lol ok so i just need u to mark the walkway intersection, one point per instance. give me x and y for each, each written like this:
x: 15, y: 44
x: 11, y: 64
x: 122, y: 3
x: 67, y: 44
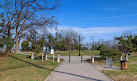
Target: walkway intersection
x: 76, y: 71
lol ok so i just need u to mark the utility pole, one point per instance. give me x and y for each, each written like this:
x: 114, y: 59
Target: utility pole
x: 79, y: 45
x: 93, y: 44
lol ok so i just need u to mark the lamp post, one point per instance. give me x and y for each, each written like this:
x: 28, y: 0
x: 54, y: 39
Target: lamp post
x: 79, y: 46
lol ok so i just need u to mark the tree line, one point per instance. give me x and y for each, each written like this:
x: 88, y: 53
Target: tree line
x: 25, y: 19
x: 126, y: 43
x: 18, y: 16
x: 62, y: 40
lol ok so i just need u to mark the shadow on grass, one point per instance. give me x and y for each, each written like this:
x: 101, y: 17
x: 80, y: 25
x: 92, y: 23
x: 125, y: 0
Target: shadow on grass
x: 32, y: 64
x: 14, y: 67
x: 49, y: 69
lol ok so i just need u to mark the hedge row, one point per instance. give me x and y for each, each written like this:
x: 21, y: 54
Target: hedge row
x: 115, y: 54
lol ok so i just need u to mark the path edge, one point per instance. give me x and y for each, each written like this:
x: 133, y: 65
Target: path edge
x: 53, y: 71
x: 101, y: 72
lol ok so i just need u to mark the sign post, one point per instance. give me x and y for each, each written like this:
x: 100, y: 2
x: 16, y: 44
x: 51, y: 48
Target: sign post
x: 42, y: 57
x: 44, y: 51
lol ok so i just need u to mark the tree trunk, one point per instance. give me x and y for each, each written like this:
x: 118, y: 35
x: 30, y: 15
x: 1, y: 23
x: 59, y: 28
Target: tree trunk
x: 17, y: 47
x: 17, y: 44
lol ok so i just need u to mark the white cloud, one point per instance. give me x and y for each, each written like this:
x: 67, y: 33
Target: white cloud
x: 116, y: 16
x: 100, y: 31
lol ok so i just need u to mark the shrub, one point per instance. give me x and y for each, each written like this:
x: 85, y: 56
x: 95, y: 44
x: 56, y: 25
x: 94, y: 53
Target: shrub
x: 115, y: 54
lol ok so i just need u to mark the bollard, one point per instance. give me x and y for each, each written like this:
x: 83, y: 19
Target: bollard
x: 121, y: 58
x: 32, y: 55
x: 69, y: 57
x: 126, y: 57
x: 93, y: 59
x: 123, y: 64
x: 58, y: 58
x: 46, y: 57
x: 81, y: 57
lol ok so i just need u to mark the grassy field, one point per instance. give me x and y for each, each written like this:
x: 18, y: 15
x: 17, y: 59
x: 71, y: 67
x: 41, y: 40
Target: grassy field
x: 121, y: 75
x: 75, y: 53
x: 21, y: 68
x: 125, y: 75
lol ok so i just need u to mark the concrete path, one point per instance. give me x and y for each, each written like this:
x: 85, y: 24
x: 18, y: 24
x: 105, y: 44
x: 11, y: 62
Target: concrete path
x: 103, y: 67
x: 76, y: 71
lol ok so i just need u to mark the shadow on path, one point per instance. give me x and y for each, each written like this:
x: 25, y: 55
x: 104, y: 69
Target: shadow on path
x: 78, y: 75
x: 50, y: 69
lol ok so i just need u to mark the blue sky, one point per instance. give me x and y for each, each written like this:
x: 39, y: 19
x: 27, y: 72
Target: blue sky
x: 101, y: 19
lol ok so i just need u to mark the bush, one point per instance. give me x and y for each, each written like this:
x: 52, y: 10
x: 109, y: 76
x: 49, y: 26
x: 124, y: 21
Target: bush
x: 115, y: 54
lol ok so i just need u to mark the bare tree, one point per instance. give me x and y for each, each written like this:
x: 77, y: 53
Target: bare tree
x: 26, y: 14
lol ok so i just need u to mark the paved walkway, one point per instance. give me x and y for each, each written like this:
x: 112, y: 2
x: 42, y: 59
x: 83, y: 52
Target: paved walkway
x: 103, y: 67
x: 76, y: 71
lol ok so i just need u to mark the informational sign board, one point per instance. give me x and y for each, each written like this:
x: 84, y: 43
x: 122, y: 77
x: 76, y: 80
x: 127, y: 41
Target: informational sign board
x: 47, y: 49
x: 52, y: 51
x: 44, y: 49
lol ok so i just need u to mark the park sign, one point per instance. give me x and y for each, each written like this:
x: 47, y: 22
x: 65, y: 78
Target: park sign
x: 46, y: 49
x: 52, y: 51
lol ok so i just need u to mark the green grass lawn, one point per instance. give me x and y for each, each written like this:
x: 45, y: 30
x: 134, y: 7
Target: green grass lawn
x: 75, y: 53
x: 20, y: 68
x: 125, y: 75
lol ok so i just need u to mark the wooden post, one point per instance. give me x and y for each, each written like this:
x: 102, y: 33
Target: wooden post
x: 53, y: 58
x: 42, y: 57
